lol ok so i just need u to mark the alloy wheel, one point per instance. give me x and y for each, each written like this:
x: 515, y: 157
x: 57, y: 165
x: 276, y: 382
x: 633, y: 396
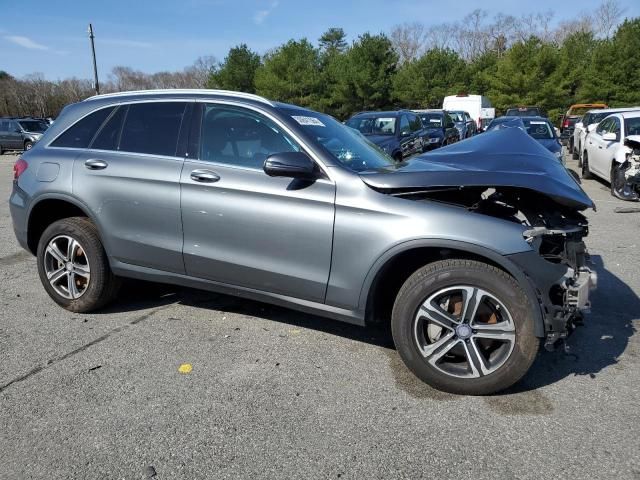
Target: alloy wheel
x: 67, y: 267
x: 464, y: 331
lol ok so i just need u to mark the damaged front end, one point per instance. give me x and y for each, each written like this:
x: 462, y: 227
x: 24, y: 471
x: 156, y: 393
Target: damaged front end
x: 558, y: 266
x: 627, y: 174
x: 505, y: 174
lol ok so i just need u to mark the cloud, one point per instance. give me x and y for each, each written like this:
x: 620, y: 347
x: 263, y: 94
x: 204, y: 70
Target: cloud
x: 25, y: 42
x: 123, y: 43
x: 261, y: 15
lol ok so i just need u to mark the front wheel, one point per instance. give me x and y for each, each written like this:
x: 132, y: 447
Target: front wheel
x: 464, y: 327
x: 73, y: 265
x: 28, y: 145
x: 620, y: 188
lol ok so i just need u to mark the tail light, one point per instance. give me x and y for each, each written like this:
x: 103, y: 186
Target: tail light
x: 565, y: 124
x: 19, y: 167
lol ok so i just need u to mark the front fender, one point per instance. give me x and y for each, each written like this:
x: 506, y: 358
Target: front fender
x: 501, y: 260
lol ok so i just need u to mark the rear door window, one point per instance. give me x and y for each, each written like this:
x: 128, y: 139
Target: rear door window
x: 404, y: 125
x: 82, y: 132
x: 108, y: 136
x: 152, y: 128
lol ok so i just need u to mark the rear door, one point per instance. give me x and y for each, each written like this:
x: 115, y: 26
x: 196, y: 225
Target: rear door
x: 242, y: 227
x: 14, y: 136
x: 417, y: 133
x: 3, y: 134
x: 130, y: 177
x: 407, y: 140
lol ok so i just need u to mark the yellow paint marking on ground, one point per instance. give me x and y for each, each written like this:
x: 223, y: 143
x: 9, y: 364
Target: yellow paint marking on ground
x: 295, y: 331
x: 185, y: 368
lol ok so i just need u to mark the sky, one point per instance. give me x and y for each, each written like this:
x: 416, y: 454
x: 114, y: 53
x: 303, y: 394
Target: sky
x: 50, y: 37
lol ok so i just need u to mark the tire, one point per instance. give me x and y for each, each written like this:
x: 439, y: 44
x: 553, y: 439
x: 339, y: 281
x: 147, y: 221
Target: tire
x: 28, y: 145
x: 570, y: 145
x: 586, y: 173
x: 575, y: 153
x: 505, y: 360
x: 619, y: 187
x: 87, y: 285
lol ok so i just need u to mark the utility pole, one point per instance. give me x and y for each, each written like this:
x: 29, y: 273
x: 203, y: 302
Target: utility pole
x: 95, y: 65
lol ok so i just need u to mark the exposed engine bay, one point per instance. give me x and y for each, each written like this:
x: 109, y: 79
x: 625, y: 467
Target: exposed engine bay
x: 631, y: 166
x: 556, y: 232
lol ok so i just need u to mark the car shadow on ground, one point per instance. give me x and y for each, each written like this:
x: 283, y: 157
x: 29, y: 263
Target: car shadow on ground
x: 591, y: 349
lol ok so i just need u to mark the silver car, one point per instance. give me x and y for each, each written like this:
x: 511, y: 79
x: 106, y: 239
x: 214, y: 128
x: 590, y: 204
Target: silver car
x: 473, y: 253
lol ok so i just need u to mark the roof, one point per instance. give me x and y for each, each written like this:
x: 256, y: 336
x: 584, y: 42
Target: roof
x: 613, y: 110
x: 179, y: 92
x: 634, y: 114
x: 429, y: 110
x: 377, y: 114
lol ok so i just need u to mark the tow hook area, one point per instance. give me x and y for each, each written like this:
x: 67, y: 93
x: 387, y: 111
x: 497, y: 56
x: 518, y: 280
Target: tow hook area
x: 577, y: 295
x: 576, y: 303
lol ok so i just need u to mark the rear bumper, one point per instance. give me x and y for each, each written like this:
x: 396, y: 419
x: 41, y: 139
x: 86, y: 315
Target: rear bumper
x: 18, y: 206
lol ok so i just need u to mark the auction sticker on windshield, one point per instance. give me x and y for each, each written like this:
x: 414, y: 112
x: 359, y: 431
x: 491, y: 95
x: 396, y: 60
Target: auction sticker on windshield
x: 308, y: 121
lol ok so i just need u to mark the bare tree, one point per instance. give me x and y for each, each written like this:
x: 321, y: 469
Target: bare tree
x: 408, y: 40
x: 607, y: 16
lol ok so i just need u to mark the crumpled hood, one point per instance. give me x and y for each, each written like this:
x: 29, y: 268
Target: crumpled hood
x: 500, y: 158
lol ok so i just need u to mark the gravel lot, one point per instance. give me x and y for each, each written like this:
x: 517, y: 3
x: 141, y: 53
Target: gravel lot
x: 279, y: 394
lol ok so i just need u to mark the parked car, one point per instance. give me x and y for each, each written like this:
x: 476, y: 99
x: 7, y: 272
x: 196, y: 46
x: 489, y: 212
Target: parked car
x: 588, y: 121
x: 569, y: 119
x: 464, y: 123
x: 538, y: 128
x: 524, y: 112
x: 477, y: 106
x: 19, y: 133
x: 234, y: 193
x: 440, y: 128
x: 399, y: 133
x: 609, y: 153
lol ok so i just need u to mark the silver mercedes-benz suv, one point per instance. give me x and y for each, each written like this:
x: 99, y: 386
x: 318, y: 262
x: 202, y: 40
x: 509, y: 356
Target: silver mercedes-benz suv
x: 474, y: 253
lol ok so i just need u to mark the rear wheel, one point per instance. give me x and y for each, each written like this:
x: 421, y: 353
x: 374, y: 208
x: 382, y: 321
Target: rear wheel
x: 575, y: 153
x: 464, y: 327
x: 619, y: 186
x: 73, y: 265
x: 586, y: 173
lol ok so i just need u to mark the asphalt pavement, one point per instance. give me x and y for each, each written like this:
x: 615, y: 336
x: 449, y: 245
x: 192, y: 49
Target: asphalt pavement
x: 273, y: 393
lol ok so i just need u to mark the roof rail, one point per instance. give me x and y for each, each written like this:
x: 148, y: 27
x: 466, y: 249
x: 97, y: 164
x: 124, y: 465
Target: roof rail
x: 189, y: 91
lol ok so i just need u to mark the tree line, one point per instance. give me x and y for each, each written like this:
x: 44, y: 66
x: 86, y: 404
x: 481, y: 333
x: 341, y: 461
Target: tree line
x: 512, y: 60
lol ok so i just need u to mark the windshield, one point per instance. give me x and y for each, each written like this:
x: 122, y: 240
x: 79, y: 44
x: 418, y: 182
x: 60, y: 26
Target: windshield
x: 431, y: 120
x: 347, y: 145
x: 522, y: 112
x: 373, y: 125
x: 632, y: 126
x: 539, y: 129
x: 456, y: 116
x: 32, y: 126
x: 597, y: 117
x: 504, y: 122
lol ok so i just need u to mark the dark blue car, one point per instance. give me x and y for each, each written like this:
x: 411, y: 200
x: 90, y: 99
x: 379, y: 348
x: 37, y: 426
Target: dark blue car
x: 399, y: 133
x: 539, y: 128
x: 440, y: 127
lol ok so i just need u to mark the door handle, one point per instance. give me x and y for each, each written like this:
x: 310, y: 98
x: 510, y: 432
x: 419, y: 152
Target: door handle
x: 93, y: 164
x: 204, y: 176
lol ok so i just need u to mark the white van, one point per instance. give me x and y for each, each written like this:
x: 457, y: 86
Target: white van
x: 478, y: 106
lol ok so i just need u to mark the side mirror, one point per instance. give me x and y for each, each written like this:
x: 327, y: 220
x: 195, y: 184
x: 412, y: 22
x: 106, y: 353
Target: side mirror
x: 290, y: 164
x: 18, y: 130
x: 592, y: 127
x: 609, y: 137
x: 405, y: 133
x: 579, y: 125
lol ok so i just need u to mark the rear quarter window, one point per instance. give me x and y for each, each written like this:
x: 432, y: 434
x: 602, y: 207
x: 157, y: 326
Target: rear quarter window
x: 80, y: 134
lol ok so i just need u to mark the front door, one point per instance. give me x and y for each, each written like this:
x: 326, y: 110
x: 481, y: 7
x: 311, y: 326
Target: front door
x: 244, y: 228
